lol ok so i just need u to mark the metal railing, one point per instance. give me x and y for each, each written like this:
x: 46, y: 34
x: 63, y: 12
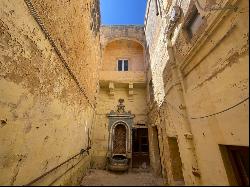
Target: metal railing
x: 53, y: 169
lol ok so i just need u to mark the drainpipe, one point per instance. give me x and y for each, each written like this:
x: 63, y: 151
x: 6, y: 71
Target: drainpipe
x: 178, y: 81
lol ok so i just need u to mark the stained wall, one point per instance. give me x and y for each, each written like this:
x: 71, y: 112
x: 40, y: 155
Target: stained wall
x: 200, y: 85
x: 48, y: 84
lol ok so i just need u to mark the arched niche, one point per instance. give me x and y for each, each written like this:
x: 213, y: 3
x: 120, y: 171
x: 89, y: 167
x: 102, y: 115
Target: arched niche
x: 120, y: 140
x: 123, y: 49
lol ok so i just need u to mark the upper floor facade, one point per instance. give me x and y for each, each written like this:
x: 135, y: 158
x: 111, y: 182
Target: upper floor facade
x: 122, y: 55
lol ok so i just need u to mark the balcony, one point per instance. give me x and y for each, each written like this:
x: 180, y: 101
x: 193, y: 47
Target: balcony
x: 123, y: 77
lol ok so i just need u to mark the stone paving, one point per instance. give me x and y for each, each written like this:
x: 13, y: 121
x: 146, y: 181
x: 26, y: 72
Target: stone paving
x: 132, y: 178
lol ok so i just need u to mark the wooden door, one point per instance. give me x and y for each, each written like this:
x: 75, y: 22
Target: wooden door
x: 140, y: 148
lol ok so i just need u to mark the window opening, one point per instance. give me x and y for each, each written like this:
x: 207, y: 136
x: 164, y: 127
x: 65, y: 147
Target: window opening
x: 122, y: 65
x: 194, y: 23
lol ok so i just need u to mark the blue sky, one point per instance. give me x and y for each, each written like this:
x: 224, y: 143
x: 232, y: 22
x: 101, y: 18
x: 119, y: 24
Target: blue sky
x: 122, y: 12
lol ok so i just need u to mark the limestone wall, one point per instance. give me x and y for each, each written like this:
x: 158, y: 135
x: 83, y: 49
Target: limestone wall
x: 157, y: 52
x: 201, y: 87
x: 106, y: 103
x: 46, y: 108
x: 111, y: 33
x: 123, y: 49
x: 119, y: 42
x: 218, y: 80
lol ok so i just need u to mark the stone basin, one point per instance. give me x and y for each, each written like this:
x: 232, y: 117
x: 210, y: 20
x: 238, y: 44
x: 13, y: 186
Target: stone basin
x: 118, y: 163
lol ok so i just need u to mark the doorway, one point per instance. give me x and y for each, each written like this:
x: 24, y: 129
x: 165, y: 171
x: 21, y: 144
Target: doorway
x: 175, y: 158
x: 140, y: 148
x: 236, y: 161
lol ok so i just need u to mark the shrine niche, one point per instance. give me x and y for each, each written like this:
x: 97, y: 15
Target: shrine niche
x: 119, y: 143
x: 120, y: 135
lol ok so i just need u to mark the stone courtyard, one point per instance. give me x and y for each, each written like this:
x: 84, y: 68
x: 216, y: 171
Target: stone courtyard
x: 161, y: 103
x: 131, y: 178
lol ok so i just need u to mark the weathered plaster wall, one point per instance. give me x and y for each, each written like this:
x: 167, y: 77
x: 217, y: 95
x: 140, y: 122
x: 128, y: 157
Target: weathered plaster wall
x: 220, y: 74
x: 159, y: 114
x: 44, y: 115
x: 201, y: 76
x: 74, y: 41
x: 154, y: 150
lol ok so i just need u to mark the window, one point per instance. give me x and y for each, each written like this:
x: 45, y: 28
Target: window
x: 193, y: 22
x: 122, y: 65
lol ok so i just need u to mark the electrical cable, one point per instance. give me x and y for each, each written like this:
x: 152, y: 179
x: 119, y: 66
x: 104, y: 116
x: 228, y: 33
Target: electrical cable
x: 229, y: 108
x: 209, y: 115
x: 51, y: 41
